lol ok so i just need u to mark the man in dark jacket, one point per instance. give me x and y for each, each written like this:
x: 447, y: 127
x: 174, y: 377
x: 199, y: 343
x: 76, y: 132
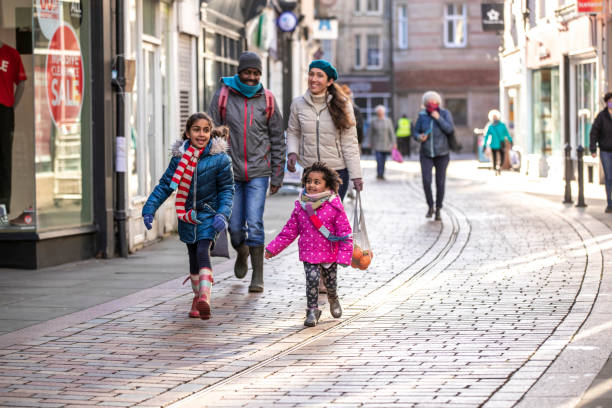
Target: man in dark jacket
x: 257, y: 149
x: 601, y: 134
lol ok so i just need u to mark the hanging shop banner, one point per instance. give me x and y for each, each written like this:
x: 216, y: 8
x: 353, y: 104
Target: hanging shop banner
x: 64, y: 71
x: 492, y: 17
x: 590, y: 6
x: 48, y: 14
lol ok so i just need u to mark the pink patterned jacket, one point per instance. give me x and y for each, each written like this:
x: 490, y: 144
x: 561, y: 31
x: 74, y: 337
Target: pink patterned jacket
x: 314, y: 247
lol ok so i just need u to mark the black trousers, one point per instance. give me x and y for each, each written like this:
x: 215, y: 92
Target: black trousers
x: 427, y: 164
x: 7, y: 126
x: 199, y: 256
x: 497, y: 155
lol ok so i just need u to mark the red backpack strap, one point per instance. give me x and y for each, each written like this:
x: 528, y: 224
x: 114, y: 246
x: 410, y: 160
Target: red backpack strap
x: 223, y: 95
x: 269, y: 104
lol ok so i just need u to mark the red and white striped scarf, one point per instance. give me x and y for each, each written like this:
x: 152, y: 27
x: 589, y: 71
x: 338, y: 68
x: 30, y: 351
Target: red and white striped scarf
x: 181, y: 181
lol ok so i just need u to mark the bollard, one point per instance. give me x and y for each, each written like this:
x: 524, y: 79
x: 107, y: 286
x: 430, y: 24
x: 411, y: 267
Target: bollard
x: 580, y: 151
x: 568, y: 174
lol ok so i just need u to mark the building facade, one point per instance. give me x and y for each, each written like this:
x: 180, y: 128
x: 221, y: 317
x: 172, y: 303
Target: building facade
x: 55, y: 172
x: 440, y: 45
x: 362, y: 52
x: 552, y: 79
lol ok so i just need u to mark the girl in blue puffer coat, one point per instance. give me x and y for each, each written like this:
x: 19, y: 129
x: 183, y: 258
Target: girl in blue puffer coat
x: 201, y: 173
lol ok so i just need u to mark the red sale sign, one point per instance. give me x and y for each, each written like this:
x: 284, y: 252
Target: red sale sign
x: 590, y: 6
x: 64, y: 76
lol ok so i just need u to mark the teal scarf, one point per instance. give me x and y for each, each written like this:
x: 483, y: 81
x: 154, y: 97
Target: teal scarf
x: 247, y: 90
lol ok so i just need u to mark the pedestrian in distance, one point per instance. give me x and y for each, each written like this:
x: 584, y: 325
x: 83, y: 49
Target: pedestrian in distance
x: 324, y: 231
x: 433, y: 128
x: 403, y: 132
x: 496, y: 137
x: 257, y: 149
x: 200, y: 172
x: 322, y: 127
x: 382, y: 138
x: 601, y: 136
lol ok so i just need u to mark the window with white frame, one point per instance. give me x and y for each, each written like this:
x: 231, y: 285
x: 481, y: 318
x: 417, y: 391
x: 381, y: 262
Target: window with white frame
x: 455, y: 26
x: 402, y: 27
x: 357, y: 6
x: 374, y: 51
x: 358, y: 60
x: 374, y: 6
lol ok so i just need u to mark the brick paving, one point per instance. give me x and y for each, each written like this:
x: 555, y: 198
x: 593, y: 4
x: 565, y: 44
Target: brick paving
x: 478, y: 310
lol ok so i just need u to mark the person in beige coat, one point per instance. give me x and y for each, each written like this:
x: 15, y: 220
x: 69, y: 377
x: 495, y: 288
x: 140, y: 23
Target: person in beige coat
x: 322, y: 128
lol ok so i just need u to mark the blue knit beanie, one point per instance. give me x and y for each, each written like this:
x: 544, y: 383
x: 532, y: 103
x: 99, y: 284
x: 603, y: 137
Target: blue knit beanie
x: 325, y: 67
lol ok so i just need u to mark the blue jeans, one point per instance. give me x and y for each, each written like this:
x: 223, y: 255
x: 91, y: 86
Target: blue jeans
x: 381, y: 158
x: 344, y: 175
x: 606, y: 162
x: 427, y: 164
x: 246, y: 222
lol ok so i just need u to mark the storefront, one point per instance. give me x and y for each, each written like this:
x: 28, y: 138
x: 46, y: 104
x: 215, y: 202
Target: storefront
x: 47, y: 210
x: 546, y: 112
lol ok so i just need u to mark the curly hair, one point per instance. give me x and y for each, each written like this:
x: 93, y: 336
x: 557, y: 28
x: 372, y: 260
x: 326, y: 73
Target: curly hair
x: 218, y: 131
x: 331, y: 177
x: 339, y: 108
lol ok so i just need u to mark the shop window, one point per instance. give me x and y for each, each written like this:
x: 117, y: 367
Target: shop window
x: 586, y: 101
x: 455, y: 26
x: 458, y: 108
x: 402, y: 27
x: 62, y: 118
x: 546, y: 114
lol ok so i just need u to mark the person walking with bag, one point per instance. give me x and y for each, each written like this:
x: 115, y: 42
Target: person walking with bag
x: 601, y: 136
x: 320, y: 221
x: 200, y: 172
x: 322, y: 128
x: 496, y: 136
x: 257, y: 149
x: 433, y: 129
x: 382, y: 139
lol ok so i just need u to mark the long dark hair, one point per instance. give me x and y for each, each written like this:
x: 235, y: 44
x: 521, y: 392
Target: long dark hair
x: 218, y: 131
x: 331, y: 177
x: 339, y: 108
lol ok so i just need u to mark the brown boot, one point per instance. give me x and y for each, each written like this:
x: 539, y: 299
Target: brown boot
x: 334, y: 306
x: 322, y: 288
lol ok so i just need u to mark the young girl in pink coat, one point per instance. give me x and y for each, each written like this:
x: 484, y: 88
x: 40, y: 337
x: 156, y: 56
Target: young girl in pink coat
x: 325, y: 236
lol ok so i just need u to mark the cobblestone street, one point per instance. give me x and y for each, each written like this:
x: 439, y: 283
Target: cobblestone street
x: 504, y: 303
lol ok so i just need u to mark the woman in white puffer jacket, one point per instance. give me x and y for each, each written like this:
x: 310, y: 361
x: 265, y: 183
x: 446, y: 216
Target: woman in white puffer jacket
x: 322, y: 127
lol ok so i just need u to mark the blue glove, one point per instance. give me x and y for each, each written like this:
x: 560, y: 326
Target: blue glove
x: 148, y: 220
x: 219, y: 223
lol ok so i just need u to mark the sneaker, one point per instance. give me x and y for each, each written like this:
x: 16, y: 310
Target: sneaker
x: 430, y: 212
x: 26, y: 219
x: 608, y: 210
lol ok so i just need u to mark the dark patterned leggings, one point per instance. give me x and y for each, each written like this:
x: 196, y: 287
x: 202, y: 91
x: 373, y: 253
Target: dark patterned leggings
x: 313, y: 273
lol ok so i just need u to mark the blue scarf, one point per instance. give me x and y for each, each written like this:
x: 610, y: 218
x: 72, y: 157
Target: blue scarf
x: 247, y: 90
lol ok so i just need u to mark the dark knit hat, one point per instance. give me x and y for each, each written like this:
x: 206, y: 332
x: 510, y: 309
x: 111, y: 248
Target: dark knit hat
x: 249, y: 59
x: 326, y: 67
